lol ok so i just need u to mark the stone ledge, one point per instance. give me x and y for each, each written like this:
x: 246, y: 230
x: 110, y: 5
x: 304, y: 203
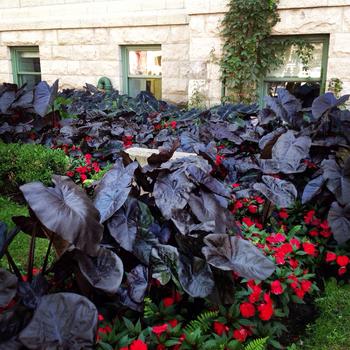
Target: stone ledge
x: 141, y: 154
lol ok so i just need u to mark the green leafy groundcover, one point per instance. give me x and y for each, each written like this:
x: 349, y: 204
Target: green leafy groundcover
x: 203, y: 252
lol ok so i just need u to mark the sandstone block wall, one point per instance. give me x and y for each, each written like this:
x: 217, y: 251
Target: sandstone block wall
x: 80, y: 40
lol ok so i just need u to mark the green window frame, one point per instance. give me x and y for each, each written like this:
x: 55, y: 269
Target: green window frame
x: 20, y: 75
x: 128, y: 78
x: 317, y: 39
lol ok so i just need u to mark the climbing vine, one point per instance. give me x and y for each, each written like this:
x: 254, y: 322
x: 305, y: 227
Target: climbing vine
x: 250, y: 51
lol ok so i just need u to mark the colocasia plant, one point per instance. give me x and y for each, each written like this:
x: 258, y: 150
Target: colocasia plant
x: 234, y: 229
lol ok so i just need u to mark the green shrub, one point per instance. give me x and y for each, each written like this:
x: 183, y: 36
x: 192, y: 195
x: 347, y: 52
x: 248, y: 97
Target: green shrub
x: 22, y: 163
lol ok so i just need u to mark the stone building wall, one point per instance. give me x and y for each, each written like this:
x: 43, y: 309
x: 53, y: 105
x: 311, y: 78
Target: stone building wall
x: 79, y: 40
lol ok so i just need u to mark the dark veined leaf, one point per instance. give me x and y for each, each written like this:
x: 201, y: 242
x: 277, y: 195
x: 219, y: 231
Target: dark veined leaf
x: 195, y: 276
x: 313, y: 188
x: 6, y: 237
x: 123, y: 224
x: 137, y: 281
x: 338, y: 179
x: 62, y: 321
x: 339, y: 221
x: 44, y: 95
x: 31, y: 292
x: 206, y: 207
x: 6, y: 100
x: 325, y: 103
x: 285, y: 105
x: 280, y: 192
x: 25, y: 100
x: 171, y: 192
x: 164, y: 259
x: 232, y: 253
x: 67, y: 211
x: 8, y: 287
x: 114, y: 188
x: 104, y: 272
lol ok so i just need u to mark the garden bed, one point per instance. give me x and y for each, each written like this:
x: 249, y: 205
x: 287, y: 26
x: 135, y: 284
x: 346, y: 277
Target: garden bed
x: 208, y: 251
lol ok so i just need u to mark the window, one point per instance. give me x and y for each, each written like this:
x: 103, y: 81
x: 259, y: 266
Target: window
x: 142, y: 70
x: 306, y: 85
x: 26, y: 65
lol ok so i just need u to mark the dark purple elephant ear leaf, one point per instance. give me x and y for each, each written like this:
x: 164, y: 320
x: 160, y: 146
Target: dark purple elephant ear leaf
x: 8, y: 287
x: 313, y: 188
x: 137, y: 280
x: 104, y: 272
x: 280, y: 192
x: 61, y: 321
x: 114, y: 188
x: 44, y: 96
x: 6, y: 237
x: 325, y: 103
x: 232, y: 253
x: 67, y: 211
x: 195, y: 277
x: 339, y: 221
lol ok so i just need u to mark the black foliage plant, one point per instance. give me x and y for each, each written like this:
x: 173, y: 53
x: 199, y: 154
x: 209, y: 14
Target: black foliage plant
x: 170, y: 220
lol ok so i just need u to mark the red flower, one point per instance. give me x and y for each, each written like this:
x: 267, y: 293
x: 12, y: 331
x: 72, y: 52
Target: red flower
x: 266, y: 309
x: 313, y: 233
x: 309, y: 216
x: 276, y: 287
x: 256, y: 291
x: 88, y: 157
x: 325, y: 233
x: 173, y: 323
x: 306, y: 285
x: 277, y: 238
x: 83, y: 177
x: 218, y: 160
x: 293, y: 263
x: 235, y: 185
x: 124, y: 348
x: 283, y: 214
x: 342, y: 260
x: 286, y: 248
x: 138, y: 345
x: 160, y: 347
x: 342, y: 270
x: 295, y: 241
x: 247, y: 310
x: 100, y: 317
x: 330, y: 256
x: 168, y: 301
x: 252, y: 208
x: 247, y: 221
x: 96, y: 167
x: 70, y: 173
x: 81, y: 169
x: 240, y: 334
x: 299, y: 292
x: 309, y: 249
x: 173, y: 124
x: 259, y: 200
x: 238, y: 204
x: 160, y: 329
x: 219, y: 328
x: 324, y: 225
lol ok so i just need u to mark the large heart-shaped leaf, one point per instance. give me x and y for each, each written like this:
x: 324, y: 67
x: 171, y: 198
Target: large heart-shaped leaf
x: 8, y: 287
x: 230, y: 253
x: 123, y: 224
x: 195, y: 276
x: 137, y: 282
x: 114, y: 188
x: 6, y: 237
x: 44, y: 95
x: 339, y: 221
x: 325, y: 103
x: 171, y: 192
x: 206, y: 207
x: 62, y: 321
x: 280, y: 192
x: 313, y: 188
x: 67, y: 211
x: 104, y: 272
x: 338, y: 179
x: 164, y: 260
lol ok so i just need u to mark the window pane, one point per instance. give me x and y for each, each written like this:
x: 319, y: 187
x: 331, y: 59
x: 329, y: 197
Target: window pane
x: 143, y: 62
x: 305, y: 91
x: 29, y: 61
x: 31, y: 80
x: 293, y: 67
x: 154, y: 86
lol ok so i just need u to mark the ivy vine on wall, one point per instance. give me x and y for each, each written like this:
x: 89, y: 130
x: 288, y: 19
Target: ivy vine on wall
x: 250, y: 51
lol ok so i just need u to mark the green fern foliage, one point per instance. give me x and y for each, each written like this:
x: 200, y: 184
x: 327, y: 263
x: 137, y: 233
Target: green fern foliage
x: 202, y: 322
x: 257, y: 344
